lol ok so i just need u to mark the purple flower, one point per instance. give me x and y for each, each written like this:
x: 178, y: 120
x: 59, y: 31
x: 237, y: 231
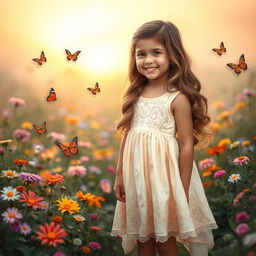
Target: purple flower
x: 94, y: 245
x: 94, y: 216
x: 242, y: 216
x: 21, y: 135
x: 15, y: 226
x: 242, y: 229
x: 33, y: 178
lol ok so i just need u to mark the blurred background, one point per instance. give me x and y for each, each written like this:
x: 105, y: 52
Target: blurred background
x: 102, y: 30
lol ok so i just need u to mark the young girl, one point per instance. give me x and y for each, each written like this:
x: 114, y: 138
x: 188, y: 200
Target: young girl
x: 160, y: 196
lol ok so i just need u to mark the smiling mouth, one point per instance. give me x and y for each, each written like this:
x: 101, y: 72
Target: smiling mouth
x: 151, y: 69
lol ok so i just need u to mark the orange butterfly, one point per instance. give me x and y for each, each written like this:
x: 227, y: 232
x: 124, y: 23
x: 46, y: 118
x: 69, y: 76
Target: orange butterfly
x: 40, y: 128
x: 71, y: 56
x: 41, y: 59
x: 221, y: 50
x: 241, y: 65
x: 94, y: 90
x: 70, y: 149
x: 52, y: 95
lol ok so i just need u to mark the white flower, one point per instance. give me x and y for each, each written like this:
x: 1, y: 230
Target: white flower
x: 79, y: 217
x: 10, y: 174
x: 25, y: 229
x: 10, y: 193
x: 234, y: 177
x: 11, y: 215
x: 77, y: 241
x: 249, y: 239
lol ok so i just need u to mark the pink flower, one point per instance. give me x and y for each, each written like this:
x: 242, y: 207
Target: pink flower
x: 85, y: 144
x: 242, y: 229
x: 94, y: 216
x: 94, y: 245
x: 77, y: 170
x: 206, y: 163
x: 21, y: 135
x: 242, y: 216
x: 241, y: 160
x: 59, y: 253
x: 105, y: 185
x: 219, y: 173
x: 251, y: 253
x: 84, y: 159
x: 57, y: 136
x: 16, y: 102
x: 252, y: 198
x: 249, y: 92
x: 6, y: 113
x: 111, y: 169
x: 236, y: 202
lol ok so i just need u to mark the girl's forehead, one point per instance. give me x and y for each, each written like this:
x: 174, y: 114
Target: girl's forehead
x: 148, y: 44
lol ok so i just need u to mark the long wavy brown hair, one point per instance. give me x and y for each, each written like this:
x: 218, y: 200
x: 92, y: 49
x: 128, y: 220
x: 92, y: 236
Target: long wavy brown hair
x: 180, y: 76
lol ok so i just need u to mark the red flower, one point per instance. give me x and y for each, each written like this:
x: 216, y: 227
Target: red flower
x: 51, y: 234
x: 216, y: 150
x: 57, y: 219
x: 20, y: 162
x: 32, y: 200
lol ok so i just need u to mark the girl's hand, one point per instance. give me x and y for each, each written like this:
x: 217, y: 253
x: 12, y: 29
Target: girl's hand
x: 119, y: 188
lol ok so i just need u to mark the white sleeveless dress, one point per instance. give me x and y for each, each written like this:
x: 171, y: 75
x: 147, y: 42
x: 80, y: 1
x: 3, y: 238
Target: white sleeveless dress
x: 156, y: 204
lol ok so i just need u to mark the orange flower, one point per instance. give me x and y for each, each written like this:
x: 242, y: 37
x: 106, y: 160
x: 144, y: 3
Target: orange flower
x: 57, y: 219
x: 21, y: 188
x: 20, y: 162
x: 86, y: 249
x: 207, y: 184
x: 84, y: 197
x: 31, y: 199
x: 246, y: 190
x: 96, y: 201
x: 95, y: 228
x: 51, y: 234
x: 53, y: 179
x: 215, y: 150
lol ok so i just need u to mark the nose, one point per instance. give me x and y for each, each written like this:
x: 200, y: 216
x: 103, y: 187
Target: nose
x: 148, y: 59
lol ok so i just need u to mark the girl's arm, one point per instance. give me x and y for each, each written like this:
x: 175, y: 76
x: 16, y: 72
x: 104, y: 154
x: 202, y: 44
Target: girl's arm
x: 119, y: 167
x: 184, y: 124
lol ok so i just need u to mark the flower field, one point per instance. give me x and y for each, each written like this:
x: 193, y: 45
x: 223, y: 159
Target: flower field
x: 57, y: 198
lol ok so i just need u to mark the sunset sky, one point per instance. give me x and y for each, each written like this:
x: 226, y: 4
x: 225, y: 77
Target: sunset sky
x: 102, y: 30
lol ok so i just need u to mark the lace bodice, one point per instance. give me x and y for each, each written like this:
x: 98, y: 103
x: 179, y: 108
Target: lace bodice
x: 155, y: 114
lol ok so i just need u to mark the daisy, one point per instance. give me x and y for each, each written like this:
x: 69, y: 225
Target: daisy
x: 10, y: 193
x: 241, y: 160
x: 249, y: 240
x: 11, y: 215
x: 25, y: 229
x: 10, y: 174
x: 79, y: 218
x: 234, y: 177
x: 51, y: 234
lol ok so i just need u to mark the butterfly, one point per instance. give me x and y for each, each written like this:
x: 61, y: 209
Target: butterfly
x: 41, y: 59
x: 40, y: 129
x: 71, y: 56
x: 70, y: 149
x: 94, y: 90
x: 221, y: 50
x: 52, y: 95
x: 237, y: 67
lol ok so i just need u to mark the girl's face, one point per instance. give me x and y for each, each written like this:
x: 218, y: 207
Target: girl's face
x: 152, y: 60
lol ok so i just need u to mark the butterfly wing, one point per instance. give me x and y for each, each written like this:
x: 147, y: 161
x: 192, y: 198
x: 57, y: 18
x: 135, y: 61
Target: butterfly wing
x: 40, y: 129
x: 73, y: 146
x: 52, y: 95
x: 39, y: 62
x: 235, y: 67
x: 217, y: 51
x: 42, y: 57
x: 64, y: 148
x: 222, y: 47
x: 69, y: 55
x: 74, y: 56
x: 242, y: 63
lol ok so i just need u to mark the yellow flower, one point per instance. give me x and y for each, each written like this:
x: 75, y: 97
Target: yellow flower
x: 234, y: 144
x: 224, y: 142
x: 219, y: 104
x: 72, y: 120
x: 27, y: 125
x: 216, y: 126
x: 240, y: 105
x: 224, y: 115
x: 74, y: 162
x: 95, y: 125
x: 245, y: 143
x: 67, y: 205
